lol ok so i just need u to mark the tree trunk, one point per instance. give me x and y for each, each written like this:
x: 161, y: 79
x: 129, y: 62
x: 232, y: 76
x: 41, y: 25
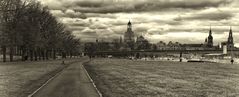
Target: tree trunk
x: 19, y: 51
x: 11, y: 53
x: 35, y: 54
x: 4, y: 52
x: 70, y: 55
x: 39, y: 53
x: 31, y: 54
x: 43, y: 54
x: 24, y: 55
x: 54, y: 54
x: 51, y: 53
x: 63, y: 55
x: 46, y: 54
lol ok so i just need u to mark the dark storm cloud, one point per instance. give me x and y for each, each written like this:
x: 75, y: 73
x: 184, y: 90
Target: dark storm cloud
x: 216, y: 16
x: 89, y: 3
x: 149, y: 5
x: 184, y: 4
x: 109, y: 6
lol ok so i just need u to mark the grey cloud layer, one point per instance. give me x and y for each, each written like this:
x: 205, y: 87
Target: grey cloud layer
x: 156, y: 19
x: 211, y: 15
x: 111, y: 6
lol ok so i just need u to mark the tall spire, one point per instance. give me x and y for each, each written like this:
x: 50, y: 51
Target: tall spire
x: 230, y: 32
x: 129, y: 38
x: 129, y: 34
x: 129, y: 25
x: 210, y: 38
x: 230, y: 38
x: 210, y: 31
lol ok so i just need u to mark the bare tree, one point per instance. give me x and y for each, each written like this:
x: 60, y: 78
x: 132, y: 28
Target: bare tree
x: 34, y: 31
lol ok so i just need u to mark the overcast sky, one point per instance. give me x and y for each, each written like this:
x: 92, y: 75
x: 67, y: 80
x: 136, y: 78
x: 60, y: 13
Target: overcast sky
x: 185, y: 21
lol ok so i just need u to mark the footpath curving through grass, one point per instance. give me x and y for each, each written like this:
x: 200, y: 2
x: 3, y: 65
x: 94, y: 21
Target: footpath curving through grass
x: 127, y: 78
x: 19, y: 79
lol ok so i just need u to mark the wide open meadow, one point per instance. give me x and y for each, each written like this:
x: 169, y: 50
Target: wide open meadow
x: 134, y: 78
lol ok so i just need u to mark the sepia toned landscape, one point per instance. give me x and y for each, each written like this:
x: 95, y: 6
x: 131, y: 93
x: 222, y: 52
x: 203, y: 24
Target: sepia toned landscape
x: 119, y: 48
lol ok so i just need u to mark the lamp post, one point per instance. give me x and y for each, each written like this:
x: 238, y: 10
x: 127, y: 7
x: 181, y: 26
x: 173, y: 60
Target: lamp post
x: 181, y: 55
x: 231, y: 55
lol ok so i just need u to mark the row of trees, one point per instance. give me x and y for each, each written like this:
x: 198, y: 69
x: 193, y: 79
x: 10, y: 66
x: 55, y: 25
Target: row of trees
x: 29, y: 30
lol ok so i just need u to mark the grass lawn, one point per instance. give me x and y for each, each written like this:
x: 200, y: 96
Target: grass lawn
x: 19, y: 79
x: 127, y: 78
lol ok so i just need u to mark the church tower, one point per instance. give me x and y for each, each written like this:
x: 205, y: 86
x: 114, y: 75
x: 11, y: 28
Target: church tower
x: 129, y: 36
x: 230, y: 43
x: 210, y: 39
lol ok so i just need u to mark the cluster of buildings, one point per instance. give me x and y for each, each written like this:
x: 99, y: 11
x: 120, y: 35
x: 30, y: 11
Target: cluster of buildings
x: 132, y: 42
x: 127, y: 43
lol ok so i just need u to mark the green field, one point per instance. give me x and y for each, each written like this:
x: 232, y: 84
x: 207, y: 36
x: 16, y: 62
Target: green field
x: 19, y: 79
x: 127, y: 78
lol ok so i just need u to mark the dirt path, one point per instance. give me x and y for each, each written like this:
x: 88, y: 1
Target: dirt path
x: 72, y: 82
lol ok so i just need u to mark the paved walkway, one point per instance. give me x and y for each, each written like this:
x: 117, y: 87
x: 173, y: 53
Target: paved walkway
x: 72, y: 82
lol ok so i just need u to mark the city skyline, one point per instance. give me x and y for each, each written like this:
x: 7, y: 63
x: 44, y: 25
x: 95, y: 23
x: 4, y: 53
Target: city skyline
x: 158, y: 20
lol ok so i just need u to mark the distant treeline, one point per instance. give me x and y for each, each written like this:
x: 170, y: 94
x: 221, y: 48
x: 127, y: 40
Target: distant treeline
x: 29, y: 30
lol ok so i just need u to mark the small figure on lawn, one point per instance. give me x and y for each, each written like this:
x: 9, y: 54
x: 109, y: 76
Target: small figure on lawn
x: 63, y: 62
x: 232, y: 61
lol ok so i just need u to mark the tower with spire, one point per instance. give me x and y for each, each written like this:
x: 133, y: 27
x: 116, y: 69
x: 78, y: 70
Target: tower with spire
x: 210, y: 39
x: 129, y: 37
x: 230, y: 42
x: 129, y: 34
